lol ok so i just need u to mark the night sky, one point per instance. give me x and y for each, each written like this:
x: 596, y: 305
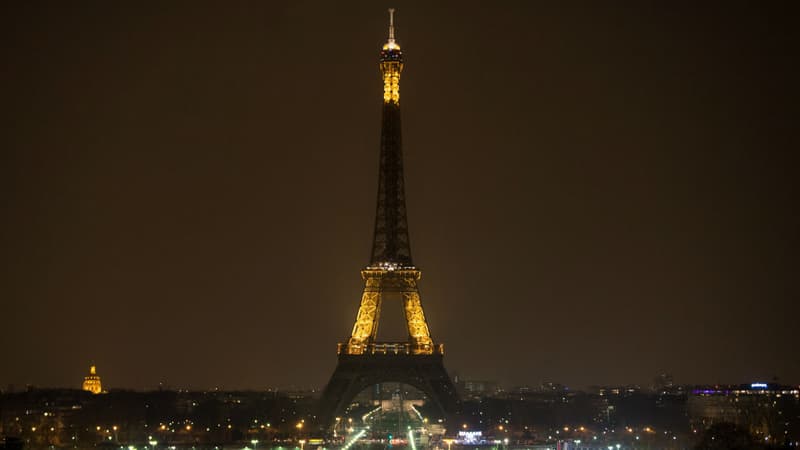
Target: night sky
x: 597, y: 192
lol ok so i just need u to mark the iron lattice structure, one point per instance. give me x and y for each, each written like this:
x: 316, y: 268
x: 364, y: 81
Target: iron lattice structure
x: 362, y: 360
x: 391, y: 244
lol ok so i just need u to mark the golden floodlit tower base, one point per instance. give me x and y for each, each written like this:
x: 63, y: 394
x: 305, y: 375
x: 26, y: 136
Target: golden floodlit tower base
x: 379, y: 281
x: 363, y: 361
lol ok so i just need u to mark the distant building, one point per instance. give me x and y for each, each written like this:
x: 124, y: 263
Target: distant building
x: 91, y: 382
x: 551, y: 386
x: 768, y: 411
x: 476, y: 389
x: 612, y: 391
x: 663, y: 383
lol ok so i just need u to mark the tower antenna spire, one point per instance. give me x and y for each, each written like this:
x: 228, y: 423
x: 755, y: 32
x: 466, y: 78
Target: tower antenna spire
x: 391, y: 25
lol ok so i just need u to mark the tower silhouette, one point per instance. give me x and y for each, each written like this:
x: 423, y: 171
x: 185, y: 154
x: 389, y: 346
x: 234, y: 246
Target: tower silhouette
x: 362, y: 360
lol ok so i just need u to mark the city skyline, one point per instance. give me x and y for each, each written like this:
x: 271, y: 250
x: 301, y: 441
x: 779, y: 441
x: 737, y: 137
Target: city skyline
x: 91, y: 382
x: 595, y: 195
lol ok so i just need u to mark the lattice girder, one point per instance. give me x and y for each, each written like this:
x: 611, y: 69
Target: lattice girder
x: 376, y: 283
x: 417, y: 325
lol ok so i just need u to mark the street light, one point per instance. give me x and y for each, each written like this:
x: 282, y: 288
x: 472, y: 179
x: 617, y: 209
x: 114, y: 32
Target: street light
x: 302, y: 443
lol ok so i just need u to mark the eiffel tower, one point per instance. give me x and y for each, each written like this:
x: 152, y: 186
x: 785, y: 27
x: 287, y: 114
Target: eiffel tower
x: 363, y: 361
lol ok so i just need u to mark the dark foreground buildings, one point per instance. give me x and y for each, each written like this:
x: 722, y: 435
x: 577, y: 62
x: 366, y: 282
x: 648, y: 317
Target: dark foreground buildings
x: 65, y: 418
x: 525, y: 417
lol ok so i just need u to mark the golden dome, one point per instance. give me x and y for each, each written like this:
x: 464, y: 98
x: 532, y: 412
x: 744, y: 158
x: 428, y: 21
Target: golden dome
x: 91, y: 382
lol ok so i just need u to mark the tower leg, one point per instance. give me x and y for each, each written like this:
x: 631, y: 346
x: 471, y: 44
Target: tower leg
x: 366, y: 327
x: 417, y: 325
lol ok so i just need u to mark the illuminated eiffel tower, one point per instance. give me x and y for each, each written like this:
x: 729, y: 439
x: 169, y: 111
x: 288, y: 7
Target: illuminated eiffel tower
x: 363, y: 361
